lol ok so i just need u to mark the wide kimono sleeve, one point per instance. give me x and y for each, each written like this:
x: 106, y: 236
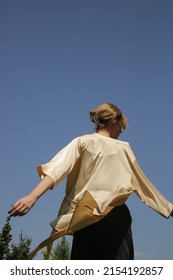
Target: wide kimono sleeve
x: 145, y: 190
x: 62, y: 163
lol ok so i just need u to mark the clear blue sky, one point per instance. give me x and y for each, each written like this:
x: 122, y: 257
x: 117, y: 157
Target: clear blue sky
x: 58, y: 60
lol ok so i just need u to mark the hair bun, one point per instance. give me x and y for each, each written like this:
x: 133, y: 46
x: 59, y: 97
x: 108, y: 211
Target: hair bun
x: 94, y: 118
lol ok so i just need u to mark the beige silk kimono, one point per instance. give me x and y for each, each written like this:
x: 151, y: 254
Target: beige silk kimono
x: 101, y: 173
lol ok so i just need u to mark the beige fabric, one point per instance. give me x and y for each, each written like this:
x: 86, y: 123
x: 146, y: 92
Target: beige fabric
x: 83, y: 216
x: 101, y: 173
x: 107, y: 169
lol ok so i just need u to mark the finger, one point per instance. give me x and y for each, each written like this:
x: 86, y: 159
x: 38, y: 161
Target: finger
x: 21, y: 210
x: 22, y: 214
x: 14, y: 206
x: 16, y: 210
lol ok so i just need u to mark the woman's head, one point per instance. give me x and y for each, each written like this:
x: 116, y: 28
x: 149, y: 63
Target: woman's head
x: 107, y: 114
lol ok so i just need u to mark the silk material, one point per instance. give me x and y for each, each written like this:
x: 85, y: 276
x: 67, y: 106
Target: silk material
x: 101, y: 173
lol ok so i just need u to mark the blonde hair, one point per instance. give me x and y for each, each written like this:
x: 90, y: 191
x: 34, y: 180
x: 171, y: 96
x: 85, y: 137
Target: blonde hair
x: 104, y: 113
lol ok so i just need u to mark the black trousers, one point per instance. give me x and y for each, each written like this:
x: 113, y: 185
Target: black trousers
x: 108, y: 239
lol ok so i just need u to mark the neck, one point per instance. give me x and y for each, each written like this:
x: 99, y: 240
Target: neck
x: 104, y: 132
x: 108, y: 133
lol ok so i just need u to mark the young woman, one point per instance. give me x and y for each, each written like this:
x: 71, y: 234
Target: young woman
x: 101, y: 174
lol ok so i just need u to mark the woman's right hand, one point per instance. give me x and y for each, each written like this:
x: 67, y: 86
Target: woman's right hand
x: 22, y: 206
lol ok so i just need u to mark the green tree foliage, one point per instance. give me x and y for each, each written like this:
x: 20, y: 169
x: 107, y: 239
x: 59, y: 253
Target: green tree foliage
x: 11, y: 251
x: 62, y: 251
x: 5, y: 239
x: 20, y: 251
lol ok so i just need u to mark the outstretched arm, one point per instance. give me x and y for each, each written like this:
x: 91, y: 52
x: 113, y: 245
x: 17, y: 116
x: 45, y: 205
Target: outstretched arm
x: 150, y: 195
x: 23, y: 205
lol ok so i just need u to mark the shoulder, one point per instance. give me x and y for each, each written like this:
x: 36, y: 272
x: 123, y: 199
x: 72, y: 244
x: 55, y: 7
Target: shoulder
x: 80, y: 141
x: 123, y: 143
x: 128, y: 150
x: 97, y: 138
x: 97, y: 142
